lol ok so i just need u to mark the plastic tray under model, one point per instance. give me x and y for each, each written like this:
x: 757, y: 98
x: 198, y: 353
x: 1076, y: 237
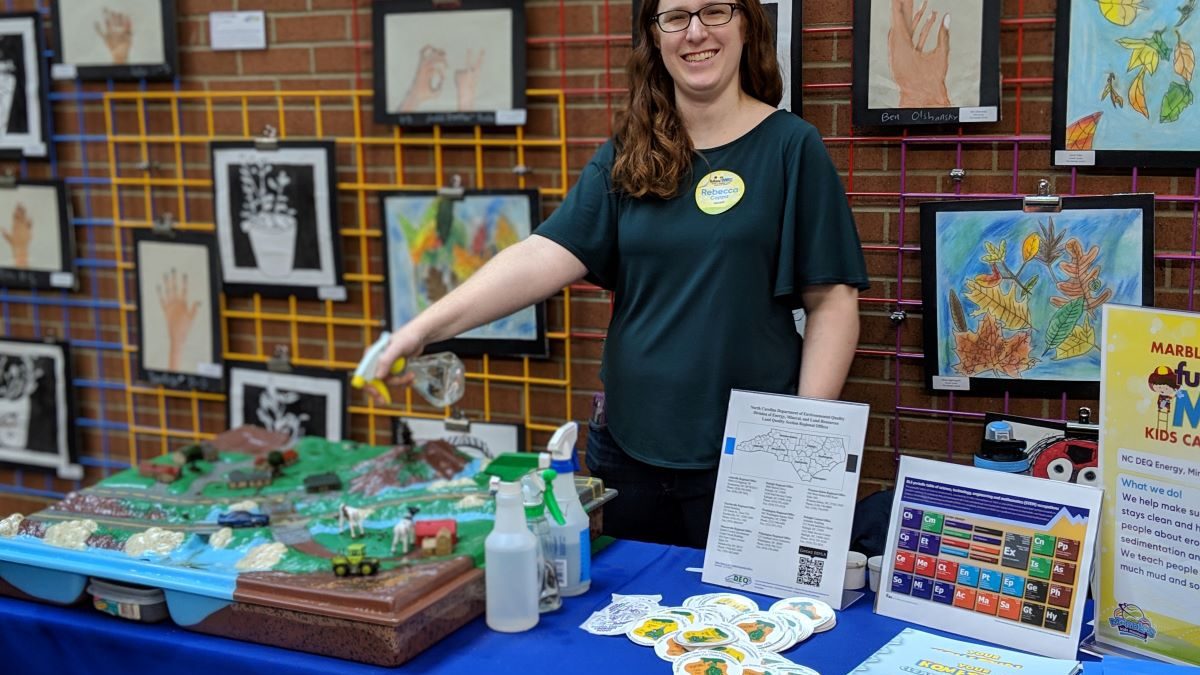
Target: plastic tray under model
x: 138, y: 603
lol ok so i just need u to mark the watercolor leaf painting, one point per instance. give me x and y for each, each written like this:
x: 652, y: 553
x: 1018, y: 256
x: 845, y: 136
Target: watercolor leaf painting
x: 1021, y: 292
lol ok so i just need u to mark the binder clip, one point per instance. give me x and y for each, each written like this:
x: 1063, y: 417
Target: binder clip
x: 1044, y: 201
x: 279, y: 361
x: 454, y: 190
x: 8, y: 179
x: 457, y: 422
x: 268, y: 140
x: 164, y: 225
x: 445, y: 206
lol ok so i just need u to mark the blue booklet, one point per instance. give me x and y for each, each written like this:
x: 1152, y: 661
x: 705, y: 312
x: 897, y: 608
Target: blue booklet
x: 920, y: 653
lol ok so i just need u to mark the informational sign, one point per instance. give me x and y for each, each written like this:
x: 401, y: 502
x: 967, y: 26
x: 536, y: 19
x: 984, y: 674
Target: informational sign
x: 786, y: 488
x: 995, y: 556
x: 1148, y: 598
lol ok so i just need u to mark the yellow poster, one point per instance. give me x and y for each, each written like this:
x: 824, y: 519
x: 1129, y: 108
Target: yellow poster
x: 1149, y: 557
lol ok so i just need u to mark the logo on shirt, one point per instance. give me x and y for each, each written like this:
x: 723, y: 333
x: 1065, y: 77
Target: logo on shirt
x: 719, y: 191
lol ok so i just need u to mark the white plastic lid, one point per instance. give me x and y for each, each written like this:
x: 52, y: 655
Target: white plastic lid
x: 509, y: 489
x: 854, y: 560
x: 875, y: 562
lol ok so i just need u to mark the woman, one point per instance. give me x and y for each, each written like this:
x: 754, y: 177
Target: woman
x: 712, y: 216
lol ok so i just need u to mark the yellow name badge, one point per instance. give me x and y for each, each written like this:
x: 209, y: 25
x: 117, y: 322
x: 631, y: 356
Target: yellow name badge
x: 719, y: 191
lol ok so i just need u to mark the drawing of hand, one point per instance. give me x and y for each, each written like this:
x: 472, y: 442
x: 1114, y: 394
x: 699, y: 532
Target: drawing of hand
x: 465, y: 80
x: 179, y: 316
x: 920, y: 76
x: 19, y: 236
x: 427, y: 81
x: 117, y: 34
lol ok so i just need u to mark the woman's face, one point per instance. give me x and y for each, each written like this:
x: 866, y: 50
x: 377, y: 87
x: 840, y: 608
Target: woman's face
x: 703, y: 60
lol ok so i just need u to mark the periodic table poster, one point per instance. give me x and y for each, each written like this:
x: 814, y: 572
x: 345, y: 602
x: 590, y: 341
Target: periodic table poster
x: 993, y: 556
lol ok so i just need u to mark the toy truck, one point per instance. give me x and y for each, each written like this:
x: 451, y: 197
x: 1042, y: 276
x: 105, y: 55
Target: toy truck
x: 355, y: 562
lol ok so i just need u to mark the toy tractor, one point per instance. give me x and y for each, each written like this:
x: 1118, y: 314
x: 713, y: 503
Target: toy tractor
x: 355, y: 562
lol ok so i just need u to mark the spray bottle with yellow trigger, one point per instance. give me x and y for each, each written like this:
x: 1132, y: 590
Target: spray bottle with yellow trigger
x: 439, y: 378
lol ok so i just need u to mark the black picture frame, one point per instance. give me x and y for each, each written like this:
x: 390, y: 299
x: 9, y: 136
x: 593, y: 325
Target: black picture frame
x: 311, y: 264
x: 938, y: 315
x: 205, y: 375
x: 66, y: 68
x: 326, y: 418
x: 386, y: 54
x: 1184, y: 148
x: 26, y: 124
x: 988, y: 110
x: 789, y: 54
x: 404, y: 280
x: 56, y: 266
x: 36, y: 442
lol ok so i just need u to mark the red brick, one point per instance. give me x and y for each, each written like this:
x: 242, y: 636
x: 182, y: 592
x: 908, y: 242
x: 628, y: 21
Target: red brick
x: 277, y: 60
x: 309, y: 28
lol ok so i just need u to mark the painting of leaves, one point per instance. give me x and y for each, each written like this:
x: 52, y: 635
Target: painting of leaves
x: 1018, y: 294
x: 1125, y: 83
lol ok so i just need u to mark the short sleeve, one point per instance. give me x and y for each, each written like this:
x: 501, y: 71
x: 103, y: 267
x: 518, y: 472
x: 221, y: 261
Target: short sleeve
x: 819, y: 241
x: 586, y: 222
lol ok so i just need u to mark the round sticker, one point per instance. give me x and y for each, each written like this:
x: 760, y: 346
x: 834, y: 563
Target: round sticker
x: 706, y: 635
x: 719, y: 191
x: 647, y: 631
x: 706, y: 661
x: 668, y: 649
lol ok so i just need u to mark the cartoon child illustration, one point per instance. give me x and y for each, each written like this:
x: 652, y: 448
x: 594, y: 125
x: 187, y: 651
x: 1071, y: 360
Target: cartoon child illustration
x: 1163, y: 382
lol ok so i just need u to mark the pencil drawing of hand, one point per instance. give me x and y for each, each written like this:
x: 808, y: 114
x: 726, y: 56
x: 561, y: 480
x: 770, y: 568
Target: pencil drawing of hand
x: 427, y: 81
x: 178, y: 314
x: 19, y: 236
x: 117, y: 34
x: 920, y: 75
x: 465, y: 80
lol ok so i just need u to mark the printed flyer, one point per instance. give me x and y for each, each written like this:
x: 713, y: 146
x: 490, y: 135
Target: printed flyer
x: 995, y: 556
x: 921, y: 653
x: 1148, y: 601
x: 786, y: 488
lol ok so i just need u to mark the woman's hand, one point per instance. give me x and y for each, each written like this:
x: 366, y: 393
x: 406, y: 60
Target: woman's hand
x: 920, y: 76
x: 405, y: 343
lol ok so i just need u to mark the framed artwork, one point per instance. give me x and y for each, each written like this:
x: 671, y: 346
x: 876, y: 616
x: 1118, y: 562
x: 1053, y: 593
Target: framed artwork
x: 1012, y: 299
x: 1122, y: 85
x: 786, y: 21
x: 178, y: 288
x: 300, y: 402
x: 115, y: 40
x: 458, y: 64
x: 36, y: 246
x: 926, y: 62
x: 276, y: 219
x: 24, y: 103
x: 37, y: 407
x: 484, y: 440
x: 434, y: 243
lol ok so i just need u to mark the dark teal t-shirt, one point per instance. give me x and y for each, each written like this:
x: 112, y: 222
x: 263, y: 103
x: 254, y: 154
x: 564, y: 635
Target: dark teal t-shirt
x: 703, y: 303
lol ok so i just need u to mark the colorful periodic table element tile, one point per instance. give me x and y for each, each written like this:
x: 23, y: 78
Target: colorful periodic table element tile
x: 929, y: 543
x: 901, y: 582
x: 1060, y: 596
x: 968, y: 575
x: 911, y: 518
x: 946, y: 570
x: 1056, y: 619
x: 1066, y: 549
x: 986, y: 602
x: 950, y: 547
x: 1039, y: 567
x: 925, y: 565
x: 907, y: 540
x: 1063, y: 572
x: 1013, y: 585
x: 962, y: 537
x: 943, y: 592
x: 989, y: 580
x: 905, y: 561
x: 1008, y: 608
x: 932, y: 522
x: 1043, y: 544
x: 1036, y: 590
x: 964, y: 597
x: 1033, y: 613
x: 922, y: 588
x: 1015, y: 552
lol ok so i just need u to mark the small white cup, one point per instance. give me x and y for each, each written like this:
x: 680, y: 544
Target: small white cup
x: 874, y: 563
x: 856, y: 571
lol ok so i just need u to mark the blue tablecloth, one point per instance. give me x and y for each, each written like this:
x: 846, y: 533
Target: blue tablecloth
x: 45, y: 639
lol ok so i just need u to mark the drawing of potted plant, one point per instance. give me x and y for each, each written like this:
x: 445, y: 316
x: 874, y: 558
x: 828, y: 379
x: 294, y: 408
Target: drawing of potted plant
x: 8, y: 90
x: 273, y: 414
x: 19, y: 381
x: 267, y: 219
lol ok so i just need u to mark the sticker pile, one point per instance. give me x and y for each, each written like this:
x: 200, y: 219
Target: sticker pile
x: 716, y: 632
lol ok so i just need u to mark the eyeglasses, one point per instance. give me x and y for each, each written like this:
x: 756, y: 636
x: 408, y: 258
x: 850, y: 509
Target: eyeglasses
x: 710, y: 15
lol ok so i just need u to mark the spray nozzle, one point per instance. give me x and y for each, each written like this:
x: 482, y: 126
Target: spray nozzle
x: 562, y: 448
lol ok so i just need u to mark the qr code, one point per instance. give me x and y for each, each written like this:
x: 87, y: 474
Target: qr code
x: 810, y: 571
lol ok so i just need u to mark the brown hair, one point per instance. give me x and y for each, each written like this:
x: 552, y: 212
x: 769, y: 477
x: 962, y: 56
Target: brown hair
x: 1163, y: 375
x: 653, y: 149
